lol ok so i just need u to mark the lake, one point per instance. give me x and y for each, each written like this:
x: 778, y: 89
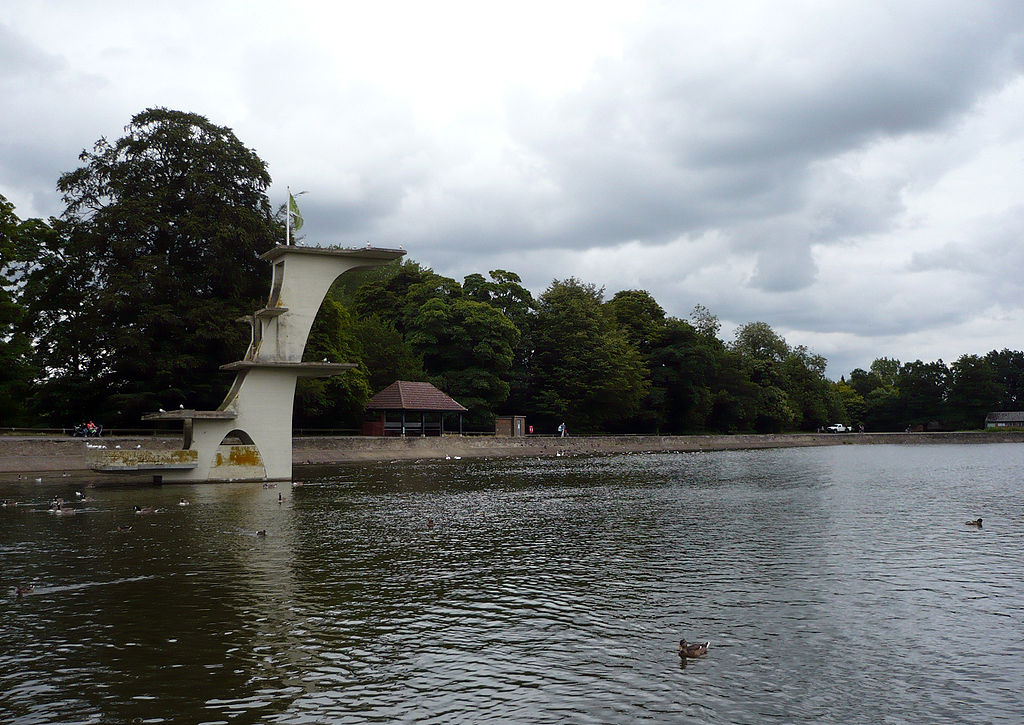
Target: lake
x: 836, y: 585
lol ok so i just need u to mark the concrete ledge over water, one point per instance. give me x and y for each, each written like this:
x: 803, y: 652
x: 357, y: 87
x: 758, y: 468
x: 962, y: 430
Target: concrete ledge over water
x: 23, y: 454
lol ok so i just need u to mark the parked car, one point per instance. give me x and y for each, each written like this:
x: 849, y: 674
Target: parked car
x: 838, y: 428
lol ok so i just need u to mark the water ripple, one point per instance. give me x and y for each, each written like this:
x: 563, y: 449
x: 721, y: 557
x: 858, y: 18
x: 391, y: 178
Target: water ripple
x: 545, y: 591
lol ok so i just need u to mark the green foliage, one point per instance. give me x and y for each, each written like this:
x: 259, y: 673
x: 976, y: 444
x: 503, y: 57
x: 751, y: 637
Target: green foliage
x: 337, y: 401
x: 758, y: 341
x: 852, y: 402
x: 973, y: 391
x: 464, y: 339
x: 1008, y: 371
x: 386, y: 354
x: 922, y: 388
x: 638, y: 315
x: 122, y: 305
x: 158, y: 251
x: 18, y: 240
x: 584, y: 370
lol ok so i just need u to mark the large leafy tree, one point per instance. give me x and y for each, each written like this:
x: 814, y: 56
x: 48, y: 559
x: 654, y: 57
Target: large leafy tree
x: 923, y: 388
x: 763, y: 352
x: 1008, y: 369
x: 505, y: 292
x: 464, y: 337
x: 18, y: 240
x: 337, y: 401
x: 584, y: 367
x: 158, y: 255
x: 973, y: 391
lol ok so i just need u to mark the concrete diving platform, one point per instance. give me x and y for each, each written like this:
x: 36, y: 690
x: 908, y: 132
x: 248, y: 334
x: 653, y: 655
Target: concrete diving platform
x: 144, y: 461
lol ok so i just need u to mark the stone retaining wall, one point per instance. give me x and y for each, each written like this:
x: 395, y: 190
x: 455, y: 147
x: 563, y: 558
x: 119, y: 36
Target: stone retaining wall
x: 22, y: 454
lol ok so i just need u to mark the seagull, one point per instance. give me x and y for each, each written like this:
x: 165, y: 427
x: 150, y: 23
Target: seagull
x: 161, y: 410
x: 325, y: 360
x: 181, y: 407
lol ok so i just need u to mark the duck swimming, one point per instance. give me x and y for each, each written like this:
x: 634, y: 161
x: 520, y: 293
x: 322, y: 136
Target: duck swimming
x: 22, y: 591
x: 261, y: 532
x: 976, y: 523
x: 184, y: 502
x: 147, y: 510
x: 696, y: 649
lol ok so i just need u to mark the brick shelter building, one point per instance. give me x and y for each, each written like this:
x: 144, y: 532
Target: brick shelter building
x: 410, y: 409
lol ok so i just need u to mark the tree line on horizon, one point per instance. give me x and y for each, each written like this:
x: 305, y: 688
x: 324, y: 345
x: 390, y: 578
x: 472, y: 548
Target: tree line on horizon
x: 124, y: 304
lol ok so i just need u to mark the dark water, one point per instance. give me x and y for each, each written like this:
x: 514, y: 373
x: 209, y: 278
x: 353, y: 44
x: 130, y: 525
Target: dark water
x: 837, y: 585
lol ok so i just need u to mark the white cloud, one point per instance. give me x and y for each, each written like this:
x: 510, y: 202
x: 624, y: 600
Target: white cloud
x: 848, y: 173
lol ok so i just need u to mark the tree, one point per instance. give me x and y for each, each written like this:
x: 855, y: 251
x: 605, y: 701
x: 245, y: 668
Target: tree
x: 584, y: 368
x: 763, y: 352
x: 465, y: 338
x: 639, y: 316
x: 682, y: 368
x: 17, y: 242
x: 386, y: 354
x: 337, y: 401
x: 158, y: 255
x: 467, y: 348
x: 704, y: 322
x: 864, y: 382
x: 1008, y: 369
x: 852, y: 402
x: 505, y: 292
x: 922, y: 391
x: 973, y: 391
x: 759, y: 341
x: 811, y: 396
x: 887, y: 370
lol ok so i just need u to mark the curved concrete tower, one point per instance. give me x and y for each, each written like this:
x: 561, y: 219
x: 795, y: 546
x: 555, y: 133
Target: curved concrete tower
x: 249, y: 436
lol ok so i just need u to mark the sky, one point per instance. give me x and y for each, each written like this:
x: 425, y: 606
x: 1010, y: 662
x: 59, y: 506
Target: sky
x: 850, y: 173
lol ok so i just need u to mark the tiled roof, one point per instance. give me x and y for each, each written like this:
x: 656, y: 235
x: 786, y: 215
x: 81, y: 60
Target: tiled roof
x: 1005, y: 417
x: 404, y: 395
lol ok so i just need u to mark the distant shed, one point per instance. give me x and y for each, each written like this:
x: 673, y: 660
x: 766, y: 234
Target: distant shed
x: 1006, y: 419
x: 406, y: 408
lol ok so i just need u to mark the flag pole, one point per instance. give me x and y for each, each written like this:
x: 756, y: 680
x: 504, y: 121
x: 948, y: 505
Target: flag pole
x: 288, y: 217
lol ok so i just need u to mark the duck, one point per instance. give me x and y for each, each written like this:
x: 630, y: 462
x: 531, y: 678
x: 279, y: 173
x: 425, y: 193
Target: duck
x: 7, y: 502
x: 184, y: 502
x: 146, y: 510
x: 261, y: 532
x: 976, y: 522
x: 22, y: 591
x: 695, y: 649
x: 122, y: 529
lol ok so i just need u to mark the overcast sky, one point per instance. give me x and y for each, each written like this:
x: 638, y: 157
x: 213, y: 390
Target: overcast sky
x: 850, y: 173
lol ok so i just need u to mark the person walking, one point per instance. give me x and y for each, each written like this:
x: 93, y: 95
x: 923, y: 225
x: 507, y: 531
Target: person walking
x: 561, y: 429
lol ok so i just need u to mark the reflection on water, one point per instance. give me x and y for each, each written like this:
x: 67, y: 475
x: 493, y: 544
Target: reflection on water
x: 835, y: 584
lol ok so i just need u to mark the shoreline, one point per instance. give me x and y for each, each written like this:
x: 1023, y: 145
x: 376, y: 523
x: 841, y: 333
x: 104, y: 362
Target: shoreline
x: 22, y: 455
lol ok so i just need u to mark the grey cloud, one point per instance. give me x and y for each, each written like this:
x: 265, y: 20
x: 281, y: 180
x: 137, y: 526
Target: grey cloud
x: 22, y: 61
x: 656, y: 146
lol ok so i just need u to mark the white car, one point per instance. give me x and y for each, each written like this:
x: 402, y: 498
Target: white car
x: 838, y: 428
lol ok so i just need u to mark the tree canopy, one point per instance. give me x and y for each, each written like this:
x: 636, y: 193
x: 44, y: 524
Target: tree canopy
x: 125, y: 303
x: 135, y: 290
